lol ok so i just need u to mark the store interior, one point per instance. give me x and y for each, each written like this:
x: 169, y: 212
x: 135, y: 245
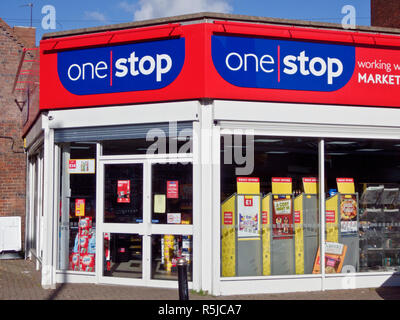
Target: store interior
x: 372, y: 166
x: 171, y: 203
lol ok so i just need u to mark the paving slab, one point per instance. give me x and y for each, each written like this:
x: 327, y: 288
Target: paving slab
x: 19, y: 280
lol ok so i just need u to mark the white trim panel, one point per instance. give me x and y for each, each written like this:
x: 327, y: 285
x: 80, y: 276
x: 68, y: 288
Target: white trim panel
x: 361, y: 280
x: 122, y: 115
x: 279, y: 285
x: 310, y: 130
x: 306, y: 113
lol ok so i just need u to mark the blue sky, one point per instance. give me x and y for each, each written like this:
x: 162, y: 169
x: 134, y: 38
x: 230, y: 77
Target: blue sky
x: 73, y: 14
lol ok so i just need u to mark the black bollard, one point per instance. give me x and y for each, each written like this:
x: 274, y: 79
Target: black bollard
x: 182, y: 279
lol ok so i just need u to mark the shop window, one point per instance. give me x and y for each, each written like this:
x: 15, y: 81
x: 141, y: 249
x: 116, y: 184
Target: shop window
x: 172, y: 193
x: 269, y: 216
x: 363, y: 204
x: 123, y: 193
x: 123, y: 255
x: 77, y: 221
x: 166, y: 249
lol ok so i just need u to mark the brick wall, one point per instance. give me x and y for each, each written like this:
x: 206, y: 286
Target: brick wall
x: 12, y: 158
x: 385, y: 13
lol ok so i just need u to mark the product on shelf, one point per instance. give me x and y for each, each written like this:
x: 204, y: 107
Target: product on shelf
x: 82, y: 257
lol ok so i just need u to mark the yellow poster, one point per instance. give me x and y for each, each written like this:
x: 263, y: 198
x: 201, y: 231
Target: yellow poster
x: 310, y: 185
x: 159, y: 203
x: 281, y: 185
x: 248, y: 185
x: 345, y: 185
x: 332, y: 219
x: 228, y: 238
x: 299, y: 234
x: 79, y: 207
x: 266, y: 235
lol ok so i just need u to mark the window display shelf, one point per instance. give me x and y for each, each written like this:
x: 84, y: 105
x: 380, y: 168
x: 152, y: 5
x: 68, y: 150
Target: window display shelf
x: 378, y: 229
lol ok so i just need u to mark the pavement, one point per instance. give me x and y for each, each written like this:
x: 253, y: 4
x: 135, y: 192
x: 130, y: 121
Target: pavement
x: 19, y: 280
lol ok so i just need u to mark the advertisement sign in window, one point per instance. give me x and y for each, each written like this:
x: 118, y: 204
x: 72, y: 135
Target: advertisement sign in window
x: 282, y: 219
x: 124, y: 190
x: 248, y: 216
x: 348, y: 213
x: 81, y: 166
x: 79, y: 207
x: 173, y: 189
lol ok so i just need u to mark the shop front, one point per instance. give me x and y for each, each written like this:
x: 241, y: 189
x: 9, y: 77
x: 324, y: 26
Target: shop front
x: 264, y: 153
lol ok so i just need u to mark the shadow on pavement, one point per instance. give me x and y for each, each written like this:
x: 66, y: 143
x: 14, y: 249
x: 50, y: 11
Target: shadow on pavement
x: 56, y: 292
x: 390, y: 290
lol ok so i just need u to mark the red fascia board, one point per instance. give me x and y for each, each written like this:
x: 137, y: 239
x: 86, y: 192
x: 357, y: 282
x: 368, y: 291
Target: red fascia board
x: 110, y: 37
x: 301, y: 33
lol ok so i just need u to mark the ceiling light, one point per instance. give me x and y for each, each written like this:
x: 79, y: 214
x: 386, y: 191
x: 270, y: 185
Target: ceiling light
x: 267, y: 140
x: 79, y: 148
x: 369, y: 150
x: 340, y: 142
x: 277, y: 152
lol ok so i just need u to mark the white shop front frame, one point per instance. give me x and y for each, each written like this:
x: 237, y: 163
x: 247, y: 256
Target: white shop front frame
x: 210, y: 118
x: 155, y: 113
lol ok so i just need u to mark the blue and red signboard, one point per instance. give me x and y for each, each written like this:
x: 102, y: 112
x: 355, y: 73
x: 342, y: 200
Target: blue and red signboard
x: 238, y: 61
x: 123, y: 68
x: 280, y: 64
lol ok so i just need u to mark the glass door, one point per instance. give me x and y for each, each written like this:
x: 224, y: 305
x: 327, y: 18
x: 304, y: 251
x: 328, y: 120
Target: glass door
x: 146, y: 220
x: 172, y: 218
x: 122, y: 220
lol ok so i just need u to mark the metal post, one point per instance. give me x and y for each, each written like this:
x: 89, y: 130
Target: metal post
x: 321, y: 165
x: 182, y: 279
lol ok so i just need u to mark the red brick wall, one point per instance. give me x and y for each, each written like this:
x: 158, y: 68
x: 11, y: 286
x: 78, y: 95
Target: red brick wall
x: 12, y: 158
x: 385, y: 13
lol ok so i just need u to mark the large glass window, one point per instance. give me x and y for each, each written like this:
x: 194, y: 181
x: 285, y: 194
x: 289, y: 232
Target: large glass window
x: 77, y: 220
x: 363, y: 204
x: 269, y: 210
x: 269, y: 216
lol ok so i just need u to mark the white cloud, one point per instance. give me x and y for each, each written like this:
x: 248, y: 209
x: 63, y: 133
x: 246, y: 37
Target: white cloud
x: 95, y: 15
x: 127, y: 6
x: 151, y: 9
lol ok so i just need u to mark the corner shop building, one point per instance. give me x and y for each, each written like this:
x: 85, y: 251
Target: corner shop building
x: 240, y: 143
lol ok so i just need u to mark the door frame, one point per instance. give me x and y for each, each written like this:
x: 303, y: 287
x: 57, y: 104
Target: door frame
x: 146, y: 229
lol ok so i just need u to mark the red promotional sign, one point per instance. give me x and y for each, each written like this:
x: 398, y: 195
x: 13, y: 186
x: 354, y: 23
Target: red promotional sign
x: 72, y: 164
x: 264, y: 217
x: 173, y: 189
x: 282, y: 219
x: 247, y: 179
x: 283, y: 180
x: 330, y: 216
x: 344, y: 180
x: 124, y: 190
x: 228, y: 217
x: 248, y: 201
x: 297, y: 217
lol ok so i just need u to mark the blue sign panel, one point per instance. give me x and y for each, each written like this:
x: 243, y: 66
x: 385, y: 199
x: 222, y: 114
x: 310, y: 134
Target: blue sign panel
x: 282, y: 64
x: 123, y: 68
